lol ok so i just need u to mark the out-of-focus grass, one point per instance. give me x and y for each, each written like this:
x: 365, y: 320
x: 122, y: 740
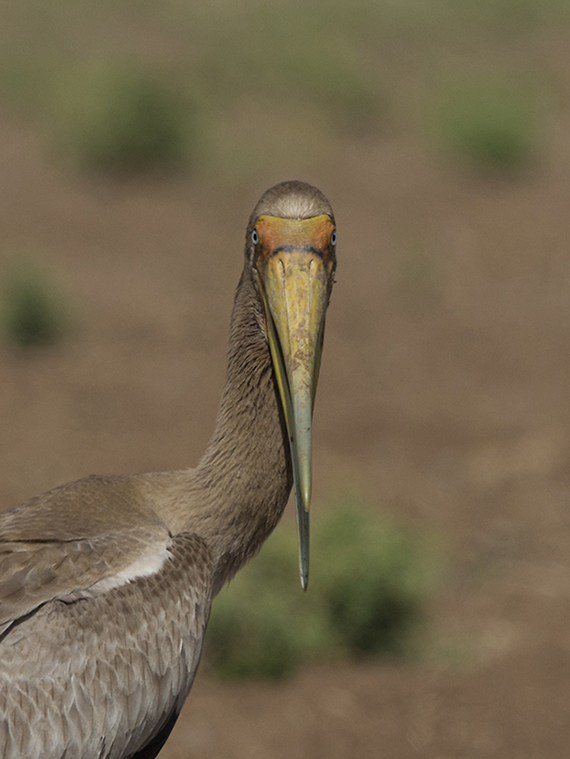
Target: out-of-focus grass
x: 32, y: 311
x: 296, y: 56
x: 24, y: 82
x: 116, y: 118
x: 323, y: 68
x: 492, y: 123
x: 510, y: 16
x: 369, y: 582
x: 298, y: 59
x: 373, y: 576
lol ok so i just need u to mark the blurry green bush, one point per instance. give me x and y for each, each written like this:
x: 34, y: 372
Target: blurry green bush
x: 115, y: 118
x: 32, y: 312
x: 369, y: 581
x: 491, y: 123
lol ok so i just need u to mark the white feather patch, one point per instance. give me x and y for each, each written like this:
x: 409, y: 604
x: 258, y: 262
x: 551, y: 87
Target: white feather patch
x: 148, y: 564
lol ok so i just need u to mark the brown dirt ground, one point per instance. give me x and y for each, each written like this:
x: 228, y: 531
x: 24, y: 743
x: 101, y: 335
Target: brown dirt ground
x: 444, y: 396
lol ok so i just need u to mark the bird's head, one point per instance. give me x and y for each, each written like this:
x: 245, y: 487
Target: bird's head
x: 291, y: 247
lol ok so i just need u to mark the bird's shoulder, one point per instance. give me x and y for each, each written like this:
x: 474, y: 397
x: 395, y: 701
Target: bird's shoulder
x: 88, y: 507
x: 87, y: 536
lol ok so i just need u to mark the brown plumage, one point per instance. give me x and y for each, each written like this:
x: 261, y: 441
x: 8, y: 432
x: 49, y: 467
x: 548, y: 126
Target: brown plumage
x: 106, y: 583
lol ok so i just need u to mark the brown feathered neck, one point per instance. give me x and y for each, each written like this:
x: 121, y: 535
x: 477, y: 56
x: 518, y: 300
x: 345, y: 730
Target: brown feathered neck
x: 245, y: 475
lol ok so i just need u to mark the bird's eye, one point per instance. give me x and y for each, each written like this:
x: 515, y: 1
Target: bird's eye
x: 255, y: 237
x: 333, y: 237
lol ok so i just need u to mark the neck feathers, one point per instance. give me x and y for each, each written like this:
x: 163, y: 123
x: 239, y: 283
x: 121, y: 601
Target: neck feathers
x: 246, y: 470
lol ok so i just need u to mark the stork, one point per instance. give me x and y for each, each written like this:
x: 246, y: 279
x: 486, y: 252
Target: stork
x: 106, y: 583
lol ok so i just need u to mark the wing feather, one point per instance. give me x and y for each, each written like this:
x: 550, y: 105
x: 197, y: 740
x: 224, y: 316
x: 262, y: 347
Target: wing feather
x: 61, y: 544
x: 99, y: 677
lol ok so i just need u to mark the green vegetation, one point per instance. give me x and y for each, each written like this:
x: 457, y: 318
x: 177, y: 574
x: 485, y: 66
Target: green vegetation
x: 369, y: 581
x: 231, y: 63
x: 372, y: 578
x: 23, y: 83
x: 32, y: 313
x: 489, y: 122
x: 511, y: 16
x: 117, y: 118
x: 268, y: 85
x: 301, y: 67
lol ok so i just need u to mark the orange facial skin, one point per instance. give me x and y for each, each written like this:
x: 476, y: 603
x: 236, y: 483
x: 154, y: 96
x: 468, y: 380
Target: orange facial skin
x: 276, y: 234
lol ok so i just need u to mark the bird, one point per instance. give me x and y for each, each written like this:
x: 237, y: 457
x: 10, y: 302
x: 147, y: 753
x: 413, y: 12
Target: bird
x: 106, y: 583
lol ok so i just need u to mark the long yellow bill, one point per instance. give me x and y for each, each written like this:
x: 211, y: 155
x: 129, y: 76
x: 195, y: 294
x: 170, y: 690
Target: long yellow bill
x: 295, y: 275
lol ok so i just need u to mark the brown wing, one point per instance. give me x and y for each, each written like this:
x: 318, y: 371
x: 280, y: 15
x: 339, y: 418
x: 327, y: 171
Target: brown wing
x: 66, y: 541
x: 102, y: 676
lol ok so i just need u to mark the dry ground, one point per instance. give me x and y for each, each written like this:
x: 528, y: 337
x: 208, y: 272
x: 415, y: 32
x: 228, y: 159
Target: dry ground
x: 444, y: 396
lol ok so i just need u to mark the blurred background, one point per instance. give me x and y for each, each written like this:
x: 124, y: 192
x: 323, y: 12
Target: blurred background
x: 135, y: 138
